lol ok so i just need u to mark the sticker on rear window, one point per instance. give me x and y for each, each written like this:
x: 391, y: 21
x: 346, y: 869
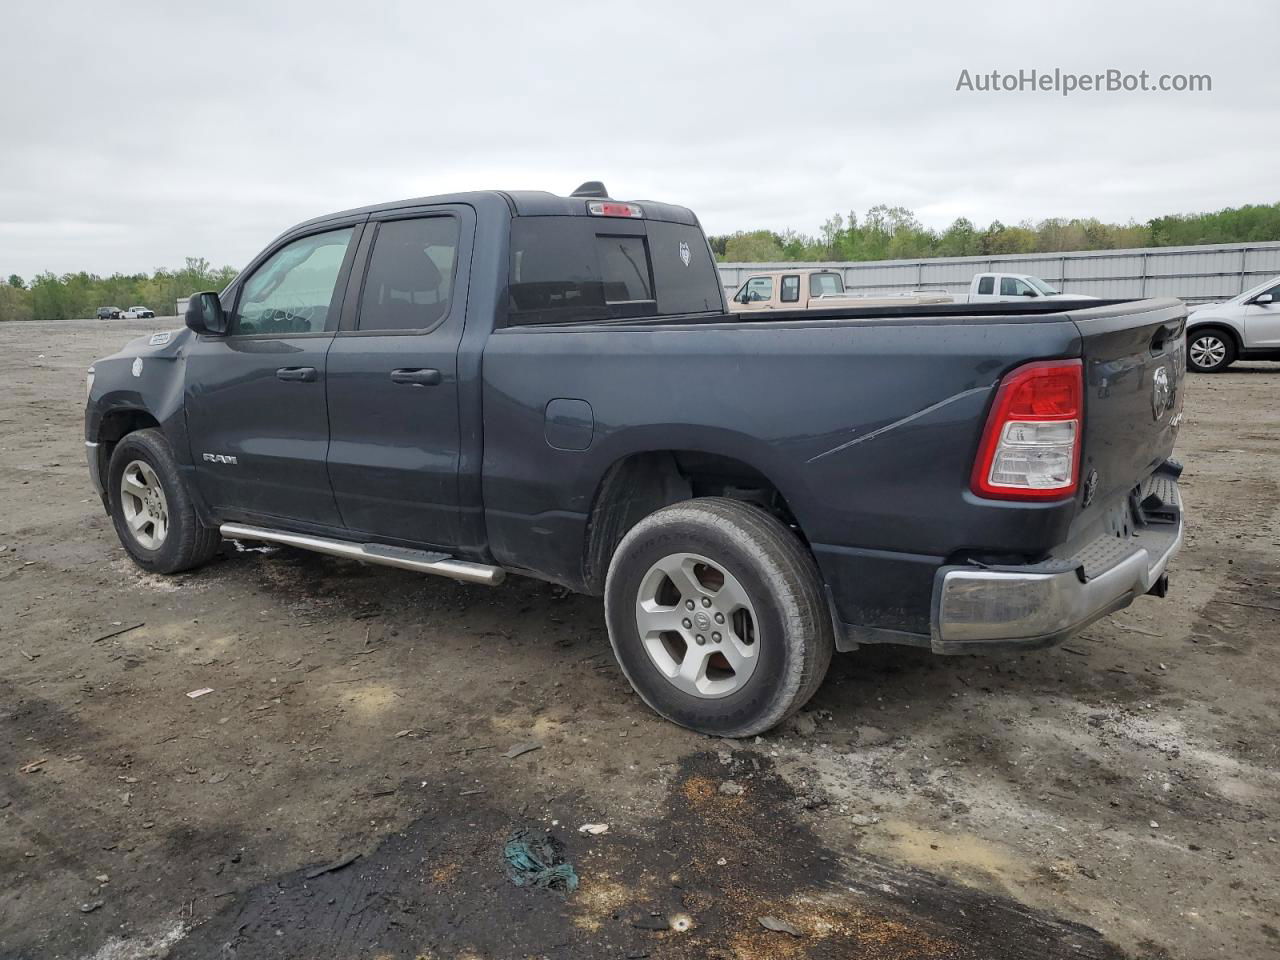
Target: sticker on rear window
x: 684, y: 252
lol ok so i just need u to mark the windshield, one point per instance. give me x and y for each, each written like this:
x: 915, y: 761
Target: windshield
x: 1040, y: 285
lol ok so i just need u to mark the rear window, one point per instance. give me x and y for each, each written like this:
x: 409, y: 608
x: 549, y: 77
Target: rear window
x: 825, y: 285
x: 567, y: 269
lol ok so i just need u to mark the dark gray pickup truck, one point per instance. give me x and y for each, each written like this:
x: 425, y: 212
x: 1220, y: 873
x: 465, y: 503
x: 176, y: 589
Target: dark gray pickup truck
x: 487, y: 382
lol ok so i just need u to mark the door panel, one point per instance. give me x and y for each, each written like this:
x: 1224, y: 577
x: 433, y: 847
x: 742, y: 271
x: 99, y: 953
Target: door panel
x: 275, y: 429
x: 393, y: 381
x: 255, y: 400
x: 1262, y: 323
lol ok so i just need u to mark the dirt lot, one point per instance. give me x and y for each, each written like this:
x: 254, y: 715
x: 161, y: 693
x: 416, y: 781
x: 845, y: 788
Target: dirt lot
x: 1116, y: 797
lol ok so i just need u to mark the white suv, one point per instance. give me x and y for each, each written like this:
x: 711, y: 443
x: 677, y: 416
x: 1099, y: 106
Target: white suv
x: 1244, y: 328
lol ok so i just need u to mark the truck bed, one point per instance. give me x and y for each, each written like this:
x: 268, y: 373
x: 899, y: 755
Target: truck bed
x: 866, y: 421
x: 935, y: 312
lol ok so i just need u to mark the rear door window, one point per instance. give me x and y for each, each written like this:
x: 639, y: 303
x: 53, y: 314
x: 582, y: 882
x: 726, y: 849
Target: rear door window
x: 791, y: 289
x: 825, y: 285
x: 409, y: 283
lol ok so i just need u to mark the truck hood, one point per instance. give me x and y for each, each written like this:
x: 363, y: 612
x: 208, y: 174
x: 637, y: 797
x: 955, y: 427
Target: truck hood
x: 1071, y: 296
x: 168, y: 343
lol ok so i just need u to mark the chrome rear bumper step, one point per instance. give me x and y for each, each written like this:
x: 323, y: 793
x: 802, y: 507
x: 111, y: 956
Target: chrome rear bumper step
x: 440, y: 564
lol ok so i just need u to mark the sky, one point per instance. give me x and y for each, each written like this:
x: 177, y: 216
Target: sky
x: 133, y: 135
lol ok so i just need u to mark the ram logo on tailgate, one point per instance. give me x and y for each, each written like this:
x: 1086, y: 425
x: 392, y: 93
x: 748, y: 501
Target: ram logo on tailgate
x: 1161, y: 393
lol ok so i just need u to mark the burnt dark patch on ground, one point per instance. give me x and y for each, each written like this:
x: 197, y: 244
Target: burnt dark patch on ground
x: 728, y: 852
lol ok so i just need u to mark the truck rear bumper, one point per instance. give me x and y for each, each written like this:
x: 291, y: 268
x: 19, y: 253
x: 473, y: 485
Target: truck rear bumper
x: 977, y: 609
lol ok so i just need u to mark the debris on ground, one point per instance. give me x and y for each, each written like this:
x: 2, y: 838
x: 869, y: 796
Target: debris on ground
x: 731, y: 789
x: 538, y: 862
x: 595, y: 829
x: 331, y: 867
x: 33, y: 766
x: 779, y: 926
x: 520, y: 749
x: 654, y: 922
x: 199, y: 693
x: 92, y: 905
x: 116, y: 633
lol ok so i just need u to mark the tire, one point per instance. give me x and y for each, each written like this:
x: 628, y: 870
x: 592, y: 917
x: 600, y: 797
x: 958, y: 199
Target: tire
x: 745, y: 573
x: 153, y: 514
x: 1210, y: 350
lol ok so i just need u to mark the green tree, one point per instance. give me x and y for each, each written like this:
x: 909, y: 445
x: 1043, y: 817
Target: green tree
x: 759, y: 246
x: 17, y: 282
x: 15, y: 302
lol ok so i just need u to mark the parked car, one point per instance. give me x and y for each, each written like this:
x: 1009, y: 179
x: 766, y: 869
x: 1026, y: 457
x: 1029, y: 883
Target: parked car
x: 489, y: 383
x: 1006, y: 287
x: 108, y: 313
x: 813, y: 289
x: 138, y: 313
x: 1246, y: 327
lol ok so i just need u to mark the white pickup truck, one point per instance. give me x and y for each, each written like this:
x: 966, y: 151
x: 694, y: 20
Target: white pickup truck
x: 1246, y: 327
x: 1000, y: 287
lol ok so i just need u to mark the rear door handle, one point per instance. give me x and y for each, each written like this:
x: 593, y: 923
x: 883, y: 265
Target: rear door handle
x: 299, y: 374
x: 421, y: 377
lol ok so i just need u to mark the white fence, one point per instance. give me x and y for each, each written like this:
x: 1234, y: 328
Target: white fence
x: 1195, y: 274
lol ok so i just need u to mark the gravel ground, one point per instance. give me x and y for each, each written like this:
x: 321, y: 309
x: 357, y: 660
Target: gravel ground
x: 1114, y: 797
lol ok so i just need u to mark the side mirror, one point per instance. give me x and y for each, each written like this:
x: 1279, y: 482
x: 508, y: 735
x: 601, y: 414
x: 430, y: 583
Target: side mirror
x: 1264, y: 299
x: 205, y: 314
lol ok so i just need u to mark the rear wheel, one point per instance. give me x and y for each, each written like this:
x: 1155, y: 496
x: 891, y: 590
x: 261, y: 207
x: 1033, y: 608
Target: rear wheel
x: 1210, y: 350
x: 152, y: 512
x: 717, y: 616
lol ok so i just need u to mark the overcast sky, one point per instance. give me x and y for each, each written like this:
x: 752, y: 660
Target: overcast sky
x: 135, y: 134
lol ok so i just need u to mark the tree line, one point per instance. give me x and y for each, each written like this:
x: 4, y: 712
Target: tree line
x: 48, y: 296
x: 894, y: 233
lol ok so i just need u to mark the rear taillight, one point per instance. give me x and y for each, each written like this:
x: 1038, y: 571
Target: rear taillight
x: 1031, y: 447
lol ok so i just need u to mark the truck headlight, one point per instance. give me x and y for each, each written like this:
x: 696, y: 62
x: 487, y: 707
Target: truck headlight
x: 88, y: 383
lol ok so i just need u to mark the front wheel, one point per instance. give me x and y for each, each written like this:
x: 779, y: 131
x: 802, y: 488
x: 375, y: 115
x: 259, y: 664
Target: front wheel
x: 717, y: 615
x: 1210, y: 350
x: 151, y: 509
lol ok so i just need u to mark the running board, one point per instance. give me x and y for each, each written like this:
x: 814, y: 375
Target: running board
x: 440, y: 564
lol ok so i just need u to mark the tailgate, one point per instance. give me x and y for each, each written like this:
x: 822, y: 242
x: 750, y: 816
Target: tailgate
x: 1134, y: 365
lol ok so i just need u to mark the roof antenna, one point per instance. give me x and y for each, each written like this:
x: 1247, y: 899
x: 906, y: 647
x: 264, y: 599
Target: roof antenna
x: 592, y: 188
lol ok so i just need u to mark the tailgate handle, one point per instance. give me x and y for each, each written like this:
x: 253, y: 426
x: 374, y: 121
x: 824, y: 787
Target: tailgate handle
x: 1159, y: 339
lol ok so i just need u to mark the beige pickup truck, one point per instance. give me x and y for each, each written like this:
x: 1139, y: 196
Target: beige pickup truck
x: 813, y: 290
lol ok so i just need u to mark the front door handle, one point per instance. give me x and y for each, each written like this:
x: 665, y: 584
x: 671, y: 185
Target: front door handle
x: 420, y: 377
x: 297, y: 374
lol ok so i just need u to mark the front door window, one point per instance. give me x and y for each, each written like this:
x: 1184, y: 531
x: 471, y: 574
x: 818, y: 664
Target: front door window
x: 293, y: 291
